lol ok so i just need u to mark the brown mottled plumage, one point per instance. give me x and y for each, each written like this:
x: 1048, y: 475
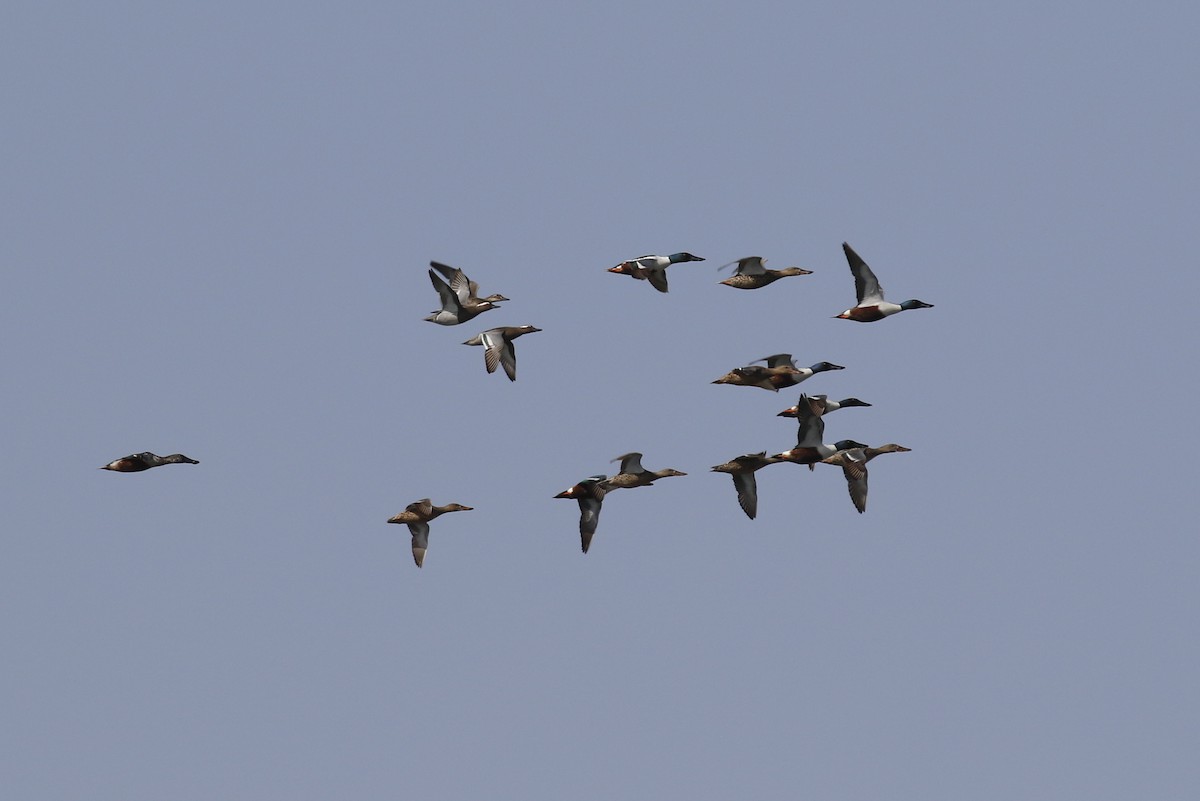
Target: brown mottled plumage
x: 751, y: 274
x: 417, y: 516
x: 632, y: 473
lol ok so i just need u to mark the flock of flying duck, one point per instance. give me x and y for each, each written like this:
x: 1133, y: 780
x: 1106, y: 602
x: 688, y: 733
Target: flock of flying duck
x: 460, y: 303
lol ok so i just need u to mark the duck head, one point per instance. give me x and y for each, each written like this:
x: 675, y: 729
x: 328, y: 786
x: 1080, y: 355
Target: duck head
x: 668, y: 472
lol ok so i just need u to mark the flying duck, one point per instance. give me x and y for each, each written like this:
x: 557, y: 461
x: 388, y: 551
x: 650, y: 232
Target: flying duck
x: 590, y: 494
x: 751, y: 274
x: 871, y: 305
x: 780, y: 372
x: 632, y: 474
x: 137, y: 462
x: 455, y: 308
x: 498, y: 342
x: 853, y: 462
x: 417, y: 516
x: 742, y: 469
x: 652, y: 268
x: 466, y: 289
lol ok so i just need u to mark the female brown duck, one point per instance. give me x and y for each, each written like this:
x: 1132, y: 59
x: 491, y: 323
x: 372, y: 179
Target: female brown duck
x: 417, y: 515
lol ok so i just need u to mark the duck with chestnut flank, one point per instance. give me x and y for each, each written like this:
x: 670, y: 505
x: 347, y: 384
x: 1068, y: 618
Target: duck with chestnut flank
x: 871, y: 305
x: 652, y: 268
x: 779, y: 373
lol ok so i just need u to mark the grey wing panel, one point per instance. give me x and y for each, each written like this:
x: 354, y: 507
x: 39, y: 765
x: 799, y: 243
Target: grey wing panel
x: 420, y: 541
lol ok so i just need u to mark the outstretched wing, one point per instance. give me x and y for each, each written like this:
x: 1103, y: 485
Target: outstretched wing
x: 508, y: 358
x: 866, y: 285
x: 457, y: 279
x: 589, y: 517
x: 657, y: 279
x: 420, y: 541
x: 493, y: 345
x: 854, y: 467
x: 445, y: 294
x: 747, y: 490
x: 811, y: 430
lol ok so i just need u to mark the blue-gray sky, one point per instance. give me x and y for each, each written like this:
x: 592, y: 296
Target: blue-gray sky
x: 215, y: 231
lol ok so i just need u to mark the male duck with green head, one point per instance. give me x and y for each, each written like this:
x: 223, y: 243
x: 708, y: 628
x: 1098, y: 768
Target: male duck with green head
x: 652, y: 268
x: 871, y: 305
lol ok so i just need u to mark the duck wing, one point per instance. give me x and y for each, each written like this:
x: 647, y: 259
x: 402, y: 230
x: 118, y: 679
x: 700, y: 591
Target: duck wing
x: 810, y: 405
x: 420, y: 541
x: 811, y: 430
x: 854, y: 467
x: 778, y: 360
x: 856, y: 482
x: 657, y: 278
x: 747, y: 492
x: 630, y: 463
x: 494, y: 344
x: 866, y: 285
x: 422, y: 508
x: 459, y: 283
x: 508, y: 358
x: 589, y: 518
x: 450, y: 301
